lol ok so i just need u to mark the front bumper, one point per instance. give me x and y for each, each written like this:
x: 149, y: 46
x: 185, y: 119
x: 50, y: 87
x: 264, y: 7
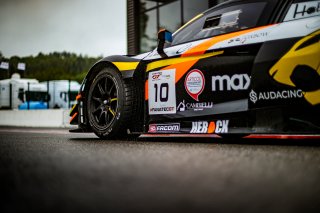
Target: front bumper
x: 78, y: 117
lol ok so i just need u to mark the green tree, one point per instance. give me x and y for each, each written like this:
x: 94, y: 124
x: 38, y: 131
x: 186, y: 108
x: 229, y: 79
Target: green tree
x: 55, y: 66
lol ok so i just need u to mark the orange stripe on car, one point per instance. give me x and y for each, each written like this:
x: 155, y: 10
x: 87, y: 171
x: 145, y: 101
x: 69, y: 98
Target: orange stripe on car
x: 170, y: 61
x: 78, y: 97
x: 75, y: 115
x: 146, y: 93
x: 203, y: 47
x: 181, y: 68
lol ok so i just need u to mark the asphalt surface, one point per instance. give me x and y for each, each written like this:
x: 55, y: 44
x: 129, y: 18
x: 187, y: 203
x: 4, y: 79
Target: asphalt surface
x: 51, y: 170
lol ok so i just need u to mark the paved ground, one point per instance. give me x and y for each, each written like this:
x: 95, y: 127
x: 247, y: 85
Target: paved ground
x: 50, y: 170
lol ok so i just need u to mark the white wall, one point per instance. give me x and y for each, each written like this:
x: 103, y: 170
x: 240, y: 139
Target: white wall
x: 35, y: 118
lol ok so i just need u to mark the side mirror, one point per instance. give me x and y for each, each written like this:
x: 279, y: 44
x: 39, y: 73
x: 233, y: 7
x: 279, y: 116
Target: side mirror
x: 164, y: 36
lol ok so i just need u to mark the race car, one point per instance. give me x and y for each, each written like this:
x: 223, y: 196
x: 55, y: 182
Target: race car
x: 241, y: 67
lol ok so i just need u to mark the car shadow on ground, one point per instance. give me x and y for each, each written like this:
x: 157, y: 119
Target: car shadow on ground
x: 245, y: 141
x: 202, y: 140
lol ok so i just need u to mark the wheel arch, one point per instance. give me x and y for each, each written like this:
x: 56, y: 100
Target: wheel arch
x: 125, y: 65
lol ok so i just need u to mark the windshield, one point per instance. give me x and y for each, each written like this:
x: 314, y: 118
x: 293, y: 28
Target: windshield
x: 221, y: 21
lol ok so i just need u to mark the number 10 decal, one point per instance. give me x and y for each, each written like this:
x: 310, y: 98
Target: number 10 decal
x: 162, y: 92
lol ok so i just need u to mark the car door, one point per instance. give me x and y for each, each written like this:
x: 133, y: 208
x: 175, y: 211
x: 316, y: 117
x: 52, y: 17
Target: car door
x: 208, y: 68
x: 286, y: 71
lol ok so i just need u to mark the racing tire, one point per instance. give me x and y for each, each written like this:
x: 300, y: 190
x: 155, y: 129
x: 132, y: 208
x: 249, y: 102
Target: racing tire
x: 111, y: 104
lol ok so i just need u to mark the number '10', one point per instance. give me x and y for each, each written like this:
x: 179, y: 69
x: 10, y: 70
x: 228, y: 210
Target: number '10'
x: 163, y: 90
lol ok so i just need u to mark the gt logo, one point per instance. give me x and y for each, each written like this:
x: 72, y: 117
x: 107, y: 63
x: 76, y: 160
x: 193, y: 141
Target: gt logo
x: 155, y: 76
x: 220, y: 126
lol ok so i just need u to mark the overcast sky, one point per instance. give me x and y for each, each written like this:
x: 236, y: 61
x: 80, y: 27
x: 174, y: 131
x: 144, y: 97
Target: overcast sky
x: 88, y: 27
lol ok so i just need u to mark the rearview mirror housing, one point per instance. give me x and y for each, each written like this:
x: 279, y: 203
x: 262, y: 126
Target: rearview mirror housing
x: 164, y: 36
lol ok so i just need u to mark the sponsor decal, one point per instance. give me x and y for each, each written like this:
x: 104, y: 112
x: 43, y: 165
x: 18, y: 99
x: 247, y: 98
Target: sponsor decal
x: 183, y: 106
x: 152, y: 128
x: 235, y: 82
x: 253, y: 36
x: 303, y: 10
x: 155, y: 76
x: 194, y: 83
x: 164, y: 128
x: 162, y: 109
x: 236, y: 40
x: 158, y: 76
x: 220, y: 126
x: 162, y: 92
x: 274, y: 95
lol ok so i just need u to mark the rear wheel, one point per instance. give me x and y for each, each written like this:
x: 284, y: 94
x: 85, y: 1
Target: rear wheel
x: 111, y: 104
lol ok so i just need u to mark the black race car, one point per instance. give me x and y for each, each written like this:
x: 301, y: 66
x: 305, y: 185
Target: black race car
x: 242, y: 67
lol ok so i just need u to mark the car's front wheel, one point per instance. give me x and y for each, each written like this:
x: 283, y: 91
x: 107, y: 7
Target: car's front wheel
x: 111, y: 104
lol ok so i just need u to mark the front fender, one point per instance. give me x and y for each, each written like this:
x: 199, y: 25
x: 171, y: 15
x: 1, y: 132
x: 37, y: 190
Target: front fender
x: 124, y: 64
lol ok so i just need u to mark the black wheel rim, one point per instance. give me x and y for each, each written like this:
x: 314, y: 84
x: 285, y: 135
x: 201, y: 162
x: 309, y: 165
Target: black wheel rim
x: 104, y: 102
